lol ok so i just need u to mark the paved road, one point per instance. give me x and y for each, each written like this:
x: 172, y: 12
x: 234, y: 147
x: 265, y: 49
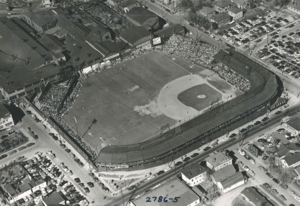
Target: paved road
x: 273, y: 122
x: 45, y: 143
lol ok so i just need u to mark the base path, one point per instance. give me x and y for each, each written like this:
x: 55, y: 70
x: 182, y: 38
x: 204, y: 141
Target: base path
x: 170, y: 105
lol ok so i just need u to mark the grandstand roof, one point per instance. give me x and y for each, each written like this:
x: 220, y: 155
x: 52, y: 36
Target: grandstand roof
x: 41, y: 17
x: 133, y: 34
x: 170, y: 30
x: 140, y: 15
x: 17, y: 48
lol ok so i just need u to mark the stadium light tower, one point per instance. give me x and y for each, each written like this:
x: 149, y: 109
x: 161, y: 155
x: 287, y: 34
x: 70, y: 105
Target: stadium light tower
x: 93, y: 122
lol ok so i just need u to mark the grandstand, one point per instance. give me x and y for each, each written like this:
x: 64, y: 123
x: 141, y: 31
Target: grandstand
x: 264, y: 91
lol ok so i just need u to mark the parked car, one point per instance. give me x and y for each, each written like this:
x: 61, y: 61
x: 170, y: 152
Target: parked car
x: 30, y: 144
x: 132, y: 187
x: 4, y: 136
x: 278, y: 112
x: 206, y: 148
x: 268, y: 174
x: 284, y: 186
x: 90, y: 184
x: 274, y: 191
x: 252, y: 161
x: 3, y: 156
x: 267, y: 185
x: 77, y: 180
x: 262, y: 168
x: 240, y: 163
x: 252, y: 172
x: 232, y: 135
x: 282, y: 198
x: 178, y: 163
x: 21, y: 148
x: 292, y: 192
x: 87, y: 190
x: 242, y: 152
x: 276, y: 180
x: 246, y: 168
x: 265, y: 157
x: 12, y: 152
x: 262, y: 140
x: 257, y: 123
x: 195, y: 154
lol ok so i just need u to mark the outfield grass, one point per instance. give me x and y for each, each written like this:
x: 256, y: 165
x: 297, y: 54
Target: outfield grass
x: 110, y: 97
x: 190, y: 97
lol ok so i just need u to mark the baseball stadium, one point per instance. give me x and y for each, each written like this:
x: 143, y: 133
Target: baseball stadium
x: 204, y: 127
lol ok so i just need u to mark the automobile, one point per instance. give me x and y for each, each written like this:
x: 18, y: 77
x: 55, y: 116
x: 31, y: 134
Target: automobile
x: 186, y: 159
x: 265, y: 119
x: 195, y: 154
x: 178, y: 163
x: 81, y: 185
x: 132, y: 187
x: 244, y: 130
x: 262, y: 140
x: 206, y: 148
x: 274, y: 191
x: 282, y: 198
x: 276, y: 180
x: 90, y: 184
x: 263, y: 124
x: 86, y: 189
x: 55, y: 137
x: 100, y: 184
x: 240, y: 163
x: 252, y: 172
x: 160, y: 172
x: 3, y: 156
x: 30, y: 144
x: 246, y: 168
x: 242, y: 152
x: 28, y: 112
x: 283, y: 36
x: 77, y: 180
x: 257, y: 123
x: 21, y: 148
x: 96, y: 179
x: 297, y: 198
x: 11, y: 132
x: 284, y: 186
x: 262, y: 168
x: 252, y: 161
x: 21, y: 157
x: 68, y: 150
x: 292, y: 33
x: 292, y: 192
x: 62, y: 146
x: 80, y: 164
x: 247, y: 157
x: 12, y: 152
x: 232, y: 135
x: 278, y: 112
x: 70, y: 172
x: 265, y: 157
x: 268, y: 174
x: 267, y: 185
x: 280, y: 130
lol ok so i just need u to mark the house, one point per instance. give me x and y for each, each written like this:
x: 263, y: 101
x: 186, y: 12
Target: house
x: 135, y: 36
x: 252, y: 196
x: 124, y: 5
x: 223, y: 174
x: 170, y: 30
x: 221, y: 19
x: 279, y: 136
x: 6, y: 120
x: 222, y: 6
x: 171, y: 189
x: 207, y: 12
x: 54, y: 198
x: 99, y: 34
x: 194, y: 174
x: 291, y: 160
x: 218, y: 161
x: 41, y: 21
x: 294, y: 6
x: 242, y: 4
x: 232, y: 182
x: 143, y: 17
x: 293, y: 125
x: 283, y: 150
x: 235, y: 12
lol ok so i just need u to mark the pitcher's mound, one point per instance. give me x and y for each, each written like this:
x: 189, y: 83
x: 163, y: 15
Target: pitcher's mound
x: 201, y: 96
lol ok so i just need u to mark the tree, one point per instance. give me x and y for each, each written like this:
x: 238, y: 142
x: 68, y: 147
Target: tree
x: 214, y: 26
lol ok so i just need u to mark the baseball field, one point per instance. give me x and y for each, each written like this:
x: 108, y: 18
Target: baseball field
x: 132, y: 100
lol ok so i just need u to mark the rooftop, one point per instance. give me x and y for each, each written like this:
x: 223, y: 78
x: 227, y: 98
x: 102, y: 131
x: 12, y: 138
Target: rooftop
x: 217, y: 159
x: 224, y: 173
x: 41, y: 17
x: 173, y: 188
x: 54, y: 199
x: 3, y: 111
x: 207, y: 10
x: 237, y: 177
x: 292, y: 158
x: 223, y: 3
x: 22, y: 60
x: 235, y: 9
x: 140, y: 14
x: 240, y: 2
x: 170, y: 30
x: 281, y: 136
x: 282, y: 151
x: 133, y: 34
x: 193, y: 170
x: 294, y: 123
x: 220, y: 17
x: 256, y: 198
